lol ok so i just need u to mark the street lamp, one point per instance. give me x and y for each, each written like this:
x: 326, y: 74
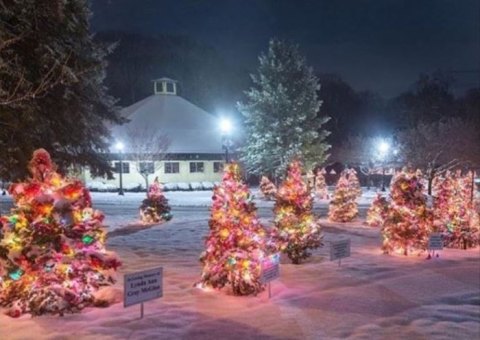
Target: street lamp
x: 226, y: 128
x: 119, y: 146
x: 383, y: 148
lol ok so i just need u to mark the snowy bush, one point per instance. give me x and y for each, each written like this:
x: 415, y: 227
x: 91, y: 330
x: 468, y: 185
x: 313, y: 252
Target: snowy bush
x: 207, y: 185
x: 183, y: 186
x: 133, y: 187
x: 196, y: 186
x: 170, y: 186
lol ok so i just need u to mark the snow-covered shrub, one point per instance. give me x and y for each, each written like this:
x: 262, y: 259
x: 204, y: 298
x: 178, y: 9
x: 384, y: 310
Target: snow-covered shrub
x: 207, y: 185
x: 196, y: 186
x: 183, y: 186
x: 170, y: 187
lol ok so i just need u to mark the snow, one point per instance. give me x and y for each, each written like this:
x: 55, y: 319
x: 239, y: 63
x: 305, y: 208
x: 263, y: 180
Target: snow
x: 370, y: 296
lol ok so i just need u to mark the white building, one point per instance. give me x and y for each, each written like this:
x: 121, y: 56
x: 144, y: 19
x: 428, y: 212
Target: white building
x: 195, y: 151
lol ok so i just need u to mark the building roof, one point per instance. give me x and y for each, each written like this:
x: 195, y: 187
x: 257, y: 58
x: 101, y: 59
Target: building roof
x: 189, y: 128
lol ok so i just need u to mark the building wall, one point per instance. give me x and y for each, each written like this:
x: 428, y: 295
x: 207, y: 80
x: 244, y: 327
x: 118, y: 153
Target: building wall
x: 134, y: 178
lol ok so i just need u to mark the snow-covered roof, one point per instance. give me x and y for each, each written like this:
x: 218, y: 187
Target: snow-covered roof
x: 189, y: 128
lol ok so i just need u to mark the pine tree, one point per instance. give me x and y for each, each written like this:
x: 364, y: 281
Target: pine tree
x: 155, y: 207
x: 52, y: 253
x: 282, y: 113
x: 354, y: 182
x: 407, y: 221
x: 51, y: 87
x: 343, y: 206
x: 267, y: 188
x: 454, y: 213
x: 296, y: 228
x: 376, y: 211
x: 321, y: 189
x: 236, y: 243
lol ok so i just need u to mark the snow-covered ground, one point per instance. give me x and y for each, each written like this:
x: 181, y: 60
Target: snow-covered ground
x: 370, y: 296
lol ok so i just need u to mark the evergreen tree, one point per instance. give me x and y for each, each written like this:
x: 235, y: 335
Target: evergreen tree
x: 282, y: 113
x: 321, y: 189
x: 51, y: 86
x: 376, y: 211
x: 343, y: 206
x: 407, y: 222
x: 354, y: 182
x: 52, y: 253
x: 155, y: 207
x: 267, y: 188
x: 236, y: 243
x: 455, y: 215
x: 296, y: 228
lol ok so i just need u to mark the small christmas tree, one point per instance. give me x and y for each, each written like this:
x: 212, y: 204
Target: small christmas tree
x: 267, y: 188
x: 52, y: 254
x: 407, y: 222
x: 155, y: 207
x: 236, y: 243
x: 343, y: 206
x: 354, y: 182
x: 376, y: 211
x: 454, y: 212
x: 296, y: 228
x: 321, y: 189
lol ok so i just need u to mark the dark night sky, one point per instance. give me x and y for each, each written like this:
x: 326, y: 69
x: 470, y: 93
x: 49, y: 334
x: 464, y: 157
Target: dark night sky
x: 381, y: 45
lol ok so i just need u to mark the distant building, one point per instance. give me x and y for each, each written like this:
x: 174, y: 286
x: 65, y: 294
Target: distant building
x: 195, y: 151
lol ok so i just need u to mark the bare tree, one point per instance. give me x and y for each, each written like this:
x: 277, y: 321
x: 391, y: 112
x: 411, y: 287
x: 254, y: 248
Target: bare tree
x: 440, y: 146
x: 147, y: 147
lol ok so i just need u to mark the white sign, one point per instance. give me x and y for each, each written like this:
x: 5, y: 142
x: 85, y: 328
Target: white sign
x: 435, y: 242
x: 143, y: 286
x: 270, y: 268
x: 339, y: 249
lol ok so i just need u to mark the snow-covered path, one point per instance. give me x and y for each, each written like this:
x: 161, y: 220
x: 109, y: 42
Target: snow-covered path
x: 371, y: 296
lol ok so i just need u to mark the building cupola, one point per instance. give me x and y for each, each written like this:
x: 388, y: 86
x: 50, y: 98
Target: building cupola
x: 165, y: 86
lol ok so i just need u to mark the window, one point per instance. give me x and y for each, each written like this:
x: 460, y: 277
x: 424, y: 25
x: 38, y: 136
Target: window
x: 158, y: 87
x: 169, y: 88
x: 125, y: 167
x: 196, y: 166
x: 146, y: 167
x: 217, y: 166
x: 172, y: 167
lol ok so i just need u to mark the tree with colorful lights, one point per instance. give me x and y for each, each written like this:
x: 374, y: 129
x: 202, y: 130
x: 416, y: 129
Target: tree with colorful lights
x: 321, y: 189
x: 343, y: 206
x: 455, y: 214
x: 155, y: 207
x: 267, y: 188
x: 236, y: 243
x: 354, y: 182
x: 296, y: 228
x: 407, y: 222
x: 52, y: 253
x: 376, y: 211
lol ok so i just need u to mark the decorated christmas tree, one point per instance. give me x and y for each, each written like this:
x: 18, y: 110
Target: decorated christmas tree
x: 321, y: 189
x: 343, y: 206
x: 407, y: 222
x: 354, y: 182
x: 296, y: 228
x: 455, y: 214
x: 52, y: 253
x: 236, y: 243
x: 267, y: 188
x: 376, y: 210
x: 155, y: 207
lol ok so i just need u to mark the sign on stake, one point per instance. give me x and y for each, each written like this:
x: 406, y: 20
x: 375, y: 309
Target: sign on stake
x: 142, y: 286
x: 435, y: 242
x: 339, y: 250
x: 270, y: 270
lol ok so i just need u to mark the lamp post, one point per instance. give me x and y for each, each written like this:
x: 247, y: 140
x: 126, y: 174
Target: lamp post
x: 383, y: 148
x: 119, y: 146
x: 226, y: 128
